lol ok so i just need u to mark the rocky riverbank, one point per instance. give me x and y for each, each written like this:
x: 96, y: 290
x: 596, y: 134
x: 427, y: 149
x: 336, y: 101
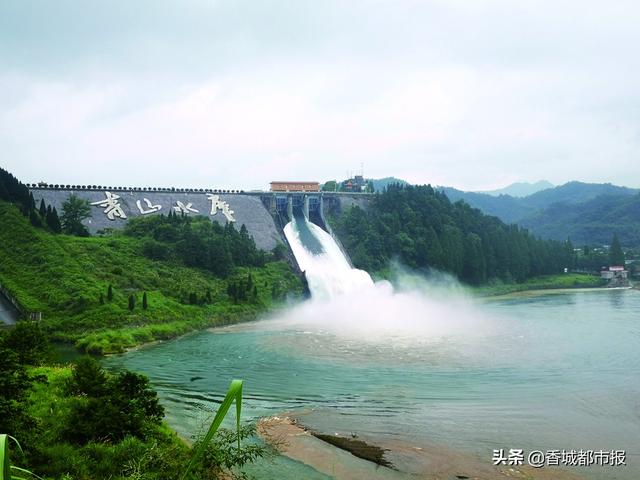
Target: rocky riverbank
x: 354, y: 459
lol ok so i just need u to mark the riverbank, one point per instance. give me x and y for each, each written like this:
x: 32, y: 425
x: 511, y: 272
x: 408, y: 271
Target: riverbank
x: 561, y: 281
x: 288, y: 435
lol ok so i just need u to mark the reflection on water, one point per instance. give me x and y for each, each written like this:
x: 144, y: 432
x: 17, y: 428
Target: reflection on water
x: 546, y: 372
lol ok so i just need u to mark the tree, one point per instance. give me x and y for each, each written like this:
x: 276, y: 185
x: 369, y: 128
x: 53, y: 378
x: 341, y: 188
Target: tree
x: 43, y: 209
x: 132, y: 302
x: 330, y: 186
x: 52, y: 220
x: 110, y: 293
x: 14, y: 385
x: 145, y: 303
x: 88, y: 378
x: 101, y: 299
x: 35, y: 219
x: 109, y: 408
x: 74, y: 211
x: 28, y: 341
x: 616, y: 255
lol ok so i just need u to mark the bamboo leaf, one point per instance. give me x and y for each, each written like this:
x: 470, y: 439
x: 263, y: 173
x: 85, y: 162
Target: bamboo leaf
x: 233, y: 393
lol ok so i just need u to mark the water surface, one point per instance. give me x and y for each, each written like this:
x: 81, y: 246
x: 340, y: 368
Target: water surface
x: 544, y: 372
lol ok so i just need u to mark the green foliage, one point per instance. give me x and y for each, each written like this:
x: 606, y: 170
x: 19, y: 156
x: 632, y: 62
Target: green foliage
x: 74, y: 211
x: 279, y: 252
x: 221, y: 454
x: 145, y: 302
x: 110, y: 407
x: 28, y: 342
x: 8, y: 471
x: 616, y: 255
x: 88, y: 379
x: 132, y: 302
x: 14, y: 385
x: 52, y: 220
x: 63, y: 277
x: 234, y: 393
x: 196, y: 242
x: 330, y: 186
x: 423, y: 229
x: 544, y: 282
x: 12, y: 190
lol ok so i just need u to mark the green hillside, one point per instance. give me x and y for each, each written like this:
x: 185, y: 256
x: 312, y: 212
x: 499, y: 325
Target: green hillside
x: 588, y: 213
x: 67, y: 278
x: 591, y: 222
x: 420, y: 227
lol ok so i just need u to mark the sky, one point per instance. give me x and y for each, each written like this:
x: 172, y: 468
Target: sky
x: 474, y: 94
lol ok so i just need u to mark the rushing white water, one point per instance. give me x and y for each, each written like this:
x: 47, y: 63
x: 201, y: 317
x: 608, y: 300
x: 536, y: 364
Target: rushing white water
x: 328, y: 271
x: 347, y: 303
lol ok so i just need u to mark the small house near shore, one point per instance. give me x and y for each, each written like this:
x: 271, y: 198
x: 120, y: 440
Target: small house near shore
x: 614, y: 272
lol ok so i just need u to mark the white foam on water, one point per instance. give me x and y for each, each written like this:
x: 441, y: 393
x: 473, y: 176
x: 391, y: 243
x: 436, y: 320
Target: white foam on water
x: 347, y: 303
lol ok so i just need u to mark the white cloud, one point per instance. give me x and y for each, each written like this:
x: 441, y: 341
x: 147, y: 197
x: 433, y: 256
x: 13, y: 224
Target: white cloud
x: 229, y: 94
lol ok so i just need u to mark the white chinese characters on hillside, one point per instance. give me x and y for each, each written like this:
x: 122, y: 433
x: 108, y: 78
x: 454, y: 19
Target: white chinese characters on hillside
x: 150, y: 207
x: 186, y: 209
x: 216, y: 204
x: 113, y: 209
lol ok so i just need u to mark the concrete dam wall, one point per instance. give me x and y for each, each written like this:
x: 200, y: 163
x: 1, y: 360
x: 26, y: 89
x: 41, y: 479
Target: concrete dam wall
x: 263, y: 213
x: 113, y: 208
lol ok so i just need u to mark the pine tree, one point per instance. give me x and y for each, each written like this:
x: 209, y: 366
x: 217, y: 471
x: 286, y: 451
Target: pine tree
x: 132, y: 302
x: 616, y: 255
x: 56, y: 226
x: 52, y: 220
x: 110, y: 293
x: 193, y: 298
x: 145, y: 304
x: 35, y: 219
x: 43, y: 209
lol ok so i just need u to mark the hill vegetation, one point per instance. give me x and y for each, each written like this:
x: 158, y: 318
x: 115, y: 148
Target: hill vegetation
x: 587, y: 213
x: 80, y: 422
x: 191, y: 272
x: 423, y: 229
x: 592, y: 222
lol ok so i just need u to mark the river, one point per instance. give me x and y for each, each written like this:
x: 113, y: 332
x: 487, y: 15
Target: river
x: 423, y: 365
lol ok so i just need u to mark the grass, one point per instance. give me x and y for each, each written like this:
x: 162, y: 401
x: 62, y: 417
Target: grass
x: 64, y: 277
x: 545, y: 282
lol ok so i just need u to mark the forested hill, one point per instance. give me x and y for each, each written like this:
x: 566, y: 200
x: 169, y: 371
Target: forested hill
x: 583, y: 212
x: 423, y: 229
x: 592, y: 222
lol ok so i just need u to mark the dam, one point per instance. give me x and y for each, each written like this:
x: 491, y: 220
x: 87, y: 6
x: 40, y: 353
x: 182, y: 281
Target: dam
x: 265, y: 214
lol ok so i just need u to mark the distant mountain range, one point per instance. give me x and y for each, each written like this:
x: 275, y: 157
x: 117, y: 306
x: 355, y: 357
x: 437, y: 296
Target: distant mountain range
x: 520, y: 189
x: 587, y: 213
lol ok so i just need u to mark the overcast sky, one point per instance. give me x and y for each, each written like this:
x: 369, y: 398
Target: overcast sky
x: 469, y: 93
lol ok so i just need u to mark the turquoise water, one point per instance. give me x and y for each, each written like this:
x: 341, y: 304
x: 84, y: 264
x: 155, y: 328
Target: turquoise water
x: 556, y: 371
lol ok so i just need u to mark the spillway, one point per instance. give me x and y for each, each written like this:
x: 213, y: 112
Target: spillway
x: 328, y: 271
